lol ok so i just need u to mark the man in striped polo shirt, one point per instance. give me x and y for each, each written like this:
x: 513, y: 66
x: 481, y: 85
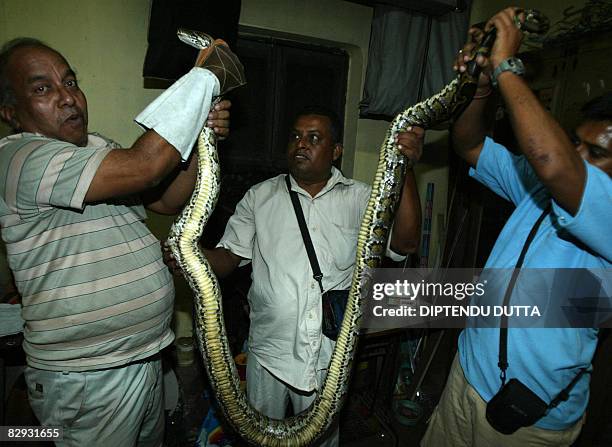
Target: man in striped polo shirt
x: 97, y: 297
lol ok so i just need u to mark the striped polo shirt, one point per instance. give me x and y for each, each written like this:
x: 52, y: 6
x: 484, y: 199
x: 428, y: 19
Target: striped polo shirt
x: 96, y: 293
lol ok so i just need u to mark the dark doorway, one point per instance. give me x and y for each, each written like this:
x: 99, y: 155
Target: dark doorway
x: 282, y: 77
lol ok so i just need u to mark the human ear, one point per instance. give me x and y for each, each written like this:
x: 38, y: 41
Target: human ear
x: 337, y: 151
x: 8, y: 115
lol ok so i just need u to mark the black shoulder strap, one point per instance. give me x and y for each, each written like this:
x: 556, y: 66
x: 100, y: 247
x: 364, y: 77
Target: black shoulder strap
x: 312, y: 256
x: 503, y: 330
x: 503, y: 327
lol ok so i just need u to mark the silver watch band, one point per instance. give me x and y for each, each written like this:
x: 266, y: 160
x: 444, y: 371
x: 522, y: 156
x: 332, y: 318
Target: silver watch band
x: 512, y: 64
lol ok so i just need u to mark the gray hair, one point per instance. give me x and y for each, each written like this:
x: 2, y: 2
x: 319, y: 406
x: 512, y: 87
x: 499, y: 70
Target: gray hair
x: 7, y: 96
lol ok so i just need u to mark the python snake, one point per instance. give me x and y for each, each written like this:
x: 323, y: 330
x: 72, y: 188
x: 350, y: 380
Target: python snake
x: 304, y: 428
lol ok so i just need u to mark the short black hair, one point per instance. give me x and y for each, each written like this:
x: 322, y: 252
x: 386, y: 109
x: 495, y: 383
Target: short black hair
x: 7, y: 96
x: 336, y: 127
x: 598, y: 109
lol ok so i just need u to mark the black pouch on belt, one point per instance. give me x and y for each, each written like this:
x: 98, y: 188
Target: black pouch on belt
x: 514, y: 406
x: 334, y: 305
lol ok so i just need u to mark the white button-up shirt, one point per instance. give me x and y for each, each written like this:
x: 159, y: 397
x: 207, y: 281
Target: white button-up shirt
x: 285, y: 300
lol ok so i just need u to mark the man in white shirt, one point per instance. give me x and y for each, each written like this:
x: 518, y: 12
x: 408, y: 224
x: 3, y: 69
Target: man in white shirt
x: 288, y: 354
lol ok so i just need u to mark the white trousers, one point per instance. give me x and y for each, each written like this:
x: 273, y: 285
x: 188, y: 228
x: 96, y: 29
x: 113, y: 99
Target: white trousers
x: 271, y: 396
x: 118, y: 407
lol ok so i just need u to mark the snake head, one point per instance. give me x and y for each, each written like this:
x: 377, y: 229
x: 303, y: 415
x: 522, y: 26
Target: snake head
x: 196, y: 39
x: 535, y: 22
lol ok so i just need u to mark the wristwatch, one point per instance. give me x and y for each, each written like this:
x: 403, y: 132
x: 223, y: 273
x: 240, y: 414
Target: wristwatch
x: 513, y: 64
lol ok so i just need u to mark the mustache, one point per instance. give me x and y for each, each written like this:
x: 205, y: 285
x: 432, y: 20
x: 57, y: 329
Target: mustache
x: 302, y: 153
x: 73, y: 112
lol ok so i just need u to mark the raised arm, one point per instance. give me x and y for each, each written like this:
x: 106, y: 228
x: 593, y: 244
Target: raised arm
x: 469, y: 130
x: 406, y: 233
x: 134, y: 170
x: 541, y: 139
x: 170, y: 196
x: 172, y: 123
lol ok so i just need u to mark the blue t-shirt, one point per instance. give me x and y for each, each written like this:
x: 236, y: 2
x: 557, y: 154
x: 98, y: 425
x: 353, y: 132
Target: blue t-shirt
x: 546, y: 360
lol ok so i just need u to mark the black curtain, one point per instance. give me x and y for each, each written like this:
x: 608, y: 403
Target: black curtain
x: 169, y: 58
x: 410, y: 58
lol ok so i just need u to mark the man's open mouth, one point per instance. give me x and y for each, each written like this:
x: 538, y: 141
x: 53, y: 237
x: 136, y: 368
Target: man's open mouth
x: 75, y: 118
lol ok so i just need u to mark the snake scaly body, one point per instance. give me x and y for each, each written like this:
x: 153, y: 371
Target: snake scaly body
x: 304, y: 428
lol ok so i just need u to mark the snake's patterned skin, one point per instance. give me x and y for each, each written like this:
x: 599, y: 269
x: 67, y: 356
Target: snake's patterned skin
x: 304, y: 428
x: 193, y: 38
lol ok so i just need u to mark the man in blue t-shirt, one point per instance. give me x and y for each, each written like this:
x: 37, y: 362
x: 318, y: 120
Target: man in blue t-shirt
x: 574, y: 178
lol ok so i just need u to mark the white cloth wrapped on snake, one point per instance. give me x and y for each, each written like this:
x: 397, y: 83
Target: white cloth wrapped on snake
x: 302, y: 429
